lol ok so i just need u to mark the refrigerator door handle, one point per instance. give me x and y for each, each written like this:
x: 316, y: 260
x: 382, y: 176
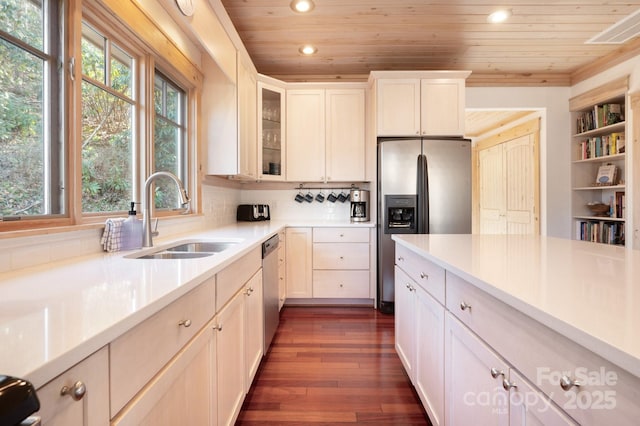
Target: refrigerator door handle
x: 423, y: 195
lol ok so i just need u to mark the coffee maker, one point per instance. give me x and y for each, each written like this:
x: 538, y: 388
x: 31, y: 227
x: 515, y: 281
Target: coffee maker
x: 359, y: 205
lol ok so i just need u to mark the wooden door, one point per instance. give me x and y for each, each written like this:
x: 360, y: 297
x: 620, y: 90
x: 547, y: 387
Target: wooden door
x: 345, y: 142
x: 508, y: 187
x: 305, y: 135
x: 518, y: 166
x: 492, y: 191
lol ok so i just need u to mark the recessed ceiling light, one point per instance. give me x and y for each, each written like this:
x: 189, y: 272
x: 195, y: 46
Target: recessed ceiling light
x: 308, y: 49
x: 499, y: 16
x: 302, y: 6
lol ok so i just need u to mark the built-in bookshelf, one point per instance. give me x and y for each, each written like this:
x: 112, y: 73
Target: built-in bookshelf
x: 599, y: 163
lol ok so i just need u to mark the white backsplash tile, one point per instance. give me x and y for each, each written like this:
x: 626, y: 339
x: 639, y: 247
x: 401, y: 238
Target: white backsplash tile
x: 284, y: 207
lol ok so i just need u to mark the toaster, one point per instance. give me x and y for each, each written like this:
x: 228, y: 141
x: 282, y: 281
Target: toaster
x: 252, y: 212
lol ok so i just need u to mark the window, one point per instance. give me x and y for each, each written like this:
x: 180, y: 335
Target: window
x: 108, y: 123
x: 170, y: 140
x: 31, y: 164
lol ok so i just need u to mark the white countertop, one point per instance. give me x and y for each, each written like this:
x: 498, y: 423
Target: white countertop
x: 55, y: 315
x: 588, y: 292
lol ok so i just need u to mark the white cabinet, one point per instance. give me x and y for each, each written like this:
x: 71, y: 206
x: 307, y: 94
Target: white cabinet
x: 271, y: 131
x: 230, y: 116
x: 254, y: 326
x: 182, y: 393
x: 473, y: 385
x: 430, y: 103
x: 282, y: 270
x: 136, y: 356
x: 92, y: 406
x: 429, y: 362
x: 405, y: 321
x: 341, y: 263
x: 299, y: 253
x: 247, y: 118
x: 305, y: 135
x: 325, y: 135
x: 230, y: 352
x: 419, y: 330
x: 345, y: 133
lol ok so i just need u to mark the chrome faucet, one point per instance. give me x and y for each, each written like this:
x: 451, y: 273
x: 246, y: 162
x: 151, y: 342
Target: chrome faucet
x: 147, y: 239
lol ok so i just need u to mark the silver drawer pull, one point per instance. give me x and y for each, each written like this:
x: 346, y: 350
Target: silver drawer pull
x: 495, y: 373
x: 465, y: 306
x: 217, y: 327
x: 185, y: 323
x: 423, y: 275
x: 400, y: 259
x: 76, y: 392
x: 566, y: 383
x: 507, y: 385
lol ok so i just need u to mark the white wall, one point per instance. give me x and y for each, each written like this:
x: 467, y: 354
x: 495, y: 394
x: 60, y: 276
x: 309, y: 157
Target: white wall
x: 555, y: 146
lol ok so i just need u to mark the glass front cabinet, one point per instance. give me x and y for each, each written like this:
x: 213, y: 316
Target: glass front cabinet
x: 271, y: 133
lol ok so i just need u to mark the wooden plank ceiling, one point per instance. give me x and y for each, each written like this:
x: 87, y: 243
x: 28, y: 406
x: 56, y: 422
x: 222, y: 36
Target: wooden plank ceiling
x: 543, y: 43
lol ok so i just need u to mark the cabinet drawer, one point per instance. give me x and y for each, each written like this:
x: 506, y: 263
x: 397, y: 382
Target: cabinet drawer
x: 543, y: 356
x: 340, y: 235
x: 93, y: 408
x: 425, y: 273
x: 136, y: 356
x: 233, y: 277
x: 341, y: 284
x: 340, y: 256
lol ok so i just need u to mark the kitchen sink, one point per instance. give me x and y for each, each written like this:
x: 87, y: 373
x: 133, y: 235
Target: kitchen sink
x: 203, y: 247
x: 174, y: 255
x: 189, y: 249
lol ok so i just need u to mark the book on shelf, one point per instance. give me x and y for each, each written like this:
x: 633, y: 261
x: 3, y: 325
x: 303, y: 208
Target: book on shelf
x: 600, y: 116
x: 607, y: 175
x: 600, y: 146
x: 600, y: 232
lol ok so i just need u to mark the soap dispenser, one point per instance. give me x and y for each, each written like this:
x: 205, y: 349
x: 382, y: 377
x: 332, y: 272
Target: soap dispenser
x: 132, y: 231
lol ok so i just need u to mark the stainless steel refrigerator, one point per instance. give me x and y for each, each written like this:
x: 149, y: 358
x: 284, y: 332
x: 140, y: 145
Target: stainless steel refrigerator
x: 424, y: 186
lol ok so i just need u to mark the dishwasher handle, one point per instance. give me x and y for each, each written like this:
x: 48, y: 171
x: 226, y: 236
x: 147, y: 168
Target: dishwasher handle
x: 270, y: 245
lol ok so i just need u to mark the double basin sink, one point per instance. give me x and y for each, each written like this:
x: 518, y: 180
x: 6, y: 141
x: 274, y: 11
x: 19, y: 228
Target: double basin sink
x: 187, y: 250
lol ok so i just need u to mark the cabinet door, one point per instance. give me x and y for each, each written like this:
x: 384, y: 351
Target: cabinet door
x: 183, y: 391
x: 247, y: 110
x: 92, y: 409
x: 298, y: 265
x: 305, y: 135
x: 442, y: 107
x: 231, y: 365
x: 530, y: 407
x: 271, y: 132
x: 429, y: 363
x: 472, y: 395
x: 282, y: 275
x: 345, y: 142
x: 398, y: 104
x: 254, y: 326
x: 405, y: 320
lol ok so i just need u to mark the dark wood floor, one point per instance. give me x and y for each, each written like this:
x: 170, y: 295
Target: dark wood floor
x: 332, y: 366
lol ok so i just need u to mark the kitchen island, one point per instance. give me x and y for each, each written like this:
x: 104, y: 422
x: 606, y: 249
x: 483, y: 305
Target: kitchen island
x: 561, y: 314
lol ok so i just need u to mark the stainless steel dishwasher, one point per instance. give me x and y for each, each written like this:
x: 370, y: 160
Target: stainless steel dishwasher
x: 270, y: 289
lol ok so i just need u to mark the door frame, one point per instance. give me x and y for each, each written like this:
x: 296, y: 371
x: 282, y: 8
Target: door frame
x: 531, y: 127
